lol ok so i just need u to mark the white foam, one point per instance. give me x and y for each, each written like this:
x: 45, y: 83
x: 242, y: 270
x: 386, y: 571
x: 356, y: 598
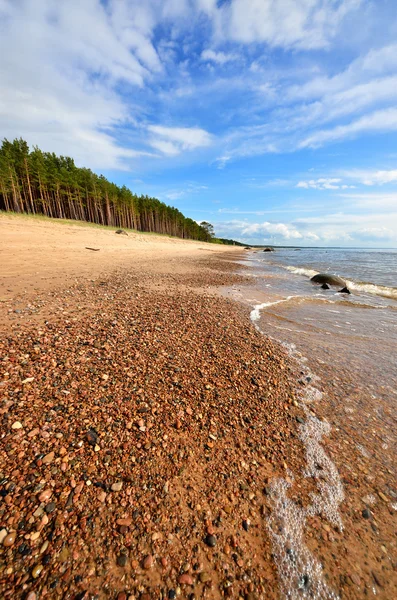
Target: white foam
x: 301, y: 271
x: 256, y: 312
x: 301, y: 574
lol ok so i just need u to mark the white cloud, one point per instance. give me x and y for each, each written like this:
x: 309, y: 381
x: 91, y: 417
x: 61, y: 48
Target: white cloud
x: 379, y: 121
x: 220, y: 58
x: 372, y: 177
x: 320, y: 184
x: 173, y: 140
x: 289, y: 23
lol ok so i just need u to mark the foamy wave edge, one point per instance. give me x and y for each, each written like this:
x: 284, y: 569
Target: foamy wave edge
x: 358, y: 286
x: 301, y: 574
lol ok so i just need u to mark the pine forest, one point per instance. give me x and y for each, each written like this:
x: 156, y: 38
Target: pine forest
x: 42, y: 183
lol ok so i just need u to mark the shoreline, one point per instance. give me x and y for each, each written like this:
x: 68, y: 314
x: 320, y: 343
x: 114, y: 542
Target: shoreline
x: 193, y: 412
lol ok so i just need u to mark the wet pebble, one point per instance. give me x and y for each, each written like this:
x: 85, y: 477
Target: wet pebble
x: 185, y: 579
x: 37, y: 569
x: 210, y: 540
x: 50, y: 508
x: 9, y: 539
x: 366, y: 513
x: 116, y: 487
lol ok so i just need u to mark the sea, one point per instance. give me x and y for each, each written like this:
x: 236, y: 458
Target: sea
x: 348, y: 343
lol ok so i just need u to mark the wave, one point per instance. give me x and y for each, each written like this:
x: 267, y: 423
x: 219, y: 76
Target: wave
x: 357, y: 286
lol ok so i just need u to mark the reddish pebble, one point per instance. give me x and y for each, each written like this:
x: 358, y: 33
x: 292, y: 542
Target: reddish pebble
x: 122, y: 596
x: 9, y: 540
x: 45, y: 495
x: 31, y: 596
x: 48, y: 458
x: 148, y: 562
x: 185, y: 579
x: 126, y: 522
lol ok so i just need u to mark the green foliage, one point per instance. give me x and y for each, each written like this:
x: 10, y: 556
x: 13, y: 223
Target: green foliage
x: 37, y: 182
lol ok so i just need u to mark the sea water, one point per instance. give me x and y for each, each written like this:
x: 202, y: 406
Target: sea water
x: 349, y: 337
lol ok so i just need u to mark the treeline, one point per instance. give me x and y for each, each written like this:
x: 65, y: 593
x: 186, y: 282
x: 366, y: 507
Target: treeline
x: 42, y: 183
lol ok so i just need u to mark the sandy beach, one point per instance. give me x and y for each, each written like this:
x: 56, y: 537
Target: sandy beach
x: 144, y: 420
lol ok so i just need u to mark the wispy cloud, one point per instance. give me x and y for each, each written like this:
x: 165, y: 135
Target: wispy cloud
x: 173, y: 140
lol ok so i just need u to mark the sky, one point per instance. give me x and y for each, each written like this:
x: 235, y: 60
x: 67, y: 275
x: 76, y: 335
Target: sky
x: 274, y: 120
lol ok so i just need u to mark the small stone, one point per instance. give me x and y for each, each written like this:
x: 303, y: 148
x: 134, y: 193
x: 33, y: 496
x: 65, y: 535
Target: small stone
x: 210, y: 540
x: 355, y: 579
x: 37, y: 569
x: 300, y: 420
x: 3, y: 534
x: 366, y: 513
x: 122, y: 560
x: 171, y: 594
x: 148, y: 562
x: 383, y: 497
x: 35, y: 536
x: 185, y: 579
x: 31, y: 596
x: 48, y: 458
x: 204, y: 577
x: 246, y: 525
x: 116, y: 487
x: 92, y: 437
x: 124, y: 522
x: 105, y: 377
x: 17, y: 425
x: 102, y: 496
x: 50, y: 507
x: 9, y: 539
x: 45, y: 495
x: 28, y: 380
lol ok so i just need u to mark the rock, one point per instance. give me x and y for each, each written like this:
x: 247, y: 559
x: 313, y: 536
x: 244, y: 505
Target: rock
x: 171, y: 594
x: 366, y: 513
x: 210, y: 540
x: 383, y: 497
x: 300, y: 420
x: 31, y: 596
x: 344, y: 290
x: 48, y: 458
x: 50, y: 508
x: 92, y: 437
x: 148, y: 562
x: 122, y: 560
x: 204, y: 577
x: 9, y: 539
x: 246, y: 525
x: 3, y: 534
x: 268, y: 249
x: 185, y: 579
x: 45, y: 495
x: 121, y: 232
x: 325, y: 286
x: 327, y: 278
x: 116, y: 487
x: 17, y: 425
x: 124, y: 522
x: 37, y: 569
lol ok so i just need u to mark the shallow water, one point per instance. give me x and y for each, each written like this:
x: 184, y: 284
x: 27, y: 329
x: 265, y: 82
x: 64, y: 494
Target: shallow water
x: 350, y: 341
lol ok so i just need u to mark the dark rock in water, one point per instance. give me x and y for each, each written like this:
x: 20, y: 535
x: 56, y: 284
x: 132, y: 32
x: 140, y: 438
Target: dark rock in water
x: 345, y: 290
x: 329, y: 279
x: 247, y: 248
x: 325, y: 286
x: 268, y: 250
x: 121, y: 232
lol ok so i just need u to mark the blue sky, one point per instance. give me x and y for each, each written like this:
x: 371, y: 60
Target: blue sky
x: 275, y: 120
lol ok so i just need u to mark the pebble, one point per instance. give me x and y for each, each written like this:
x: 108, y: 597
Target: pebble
x: 17, y: 425
x: 9, y: 539
x: 210, y: 540
x: 383, y: 497
x: 185, y: 579
x: 116, y: 487
x: 3, y: 534
x: 204, y: 577
x: 45, y: 495
x: 50, y: 507
x: 148, y: 562
x: 171, y: 594
x: 37, y: 569
x: 366, y: 513
x: 122, y: 560
x: 48, y: 458
x: 31, y: 596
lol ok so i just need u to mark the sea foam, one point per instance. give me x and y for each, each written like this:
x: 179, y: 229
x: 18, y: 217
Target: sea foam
x: 300, y: 572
